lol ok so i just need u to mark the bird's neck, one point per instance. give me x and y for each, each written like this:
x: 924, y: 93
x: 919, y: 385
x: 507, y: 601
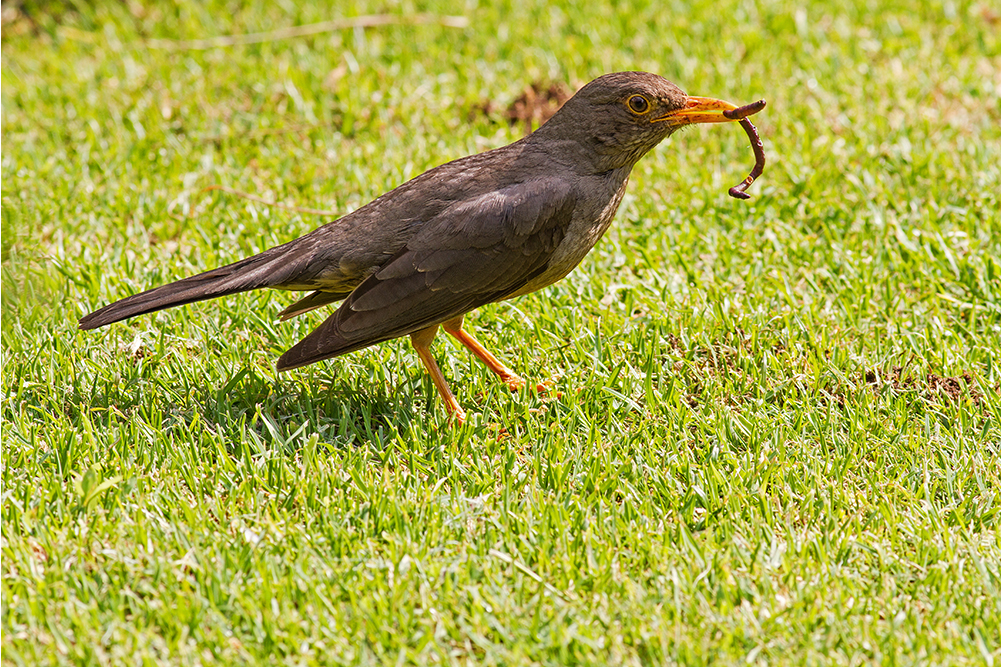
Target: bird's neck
x: 586, y: 154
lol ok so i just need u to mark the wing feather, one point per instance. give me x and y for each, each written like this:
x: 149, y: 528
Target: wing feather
x: 475, y: 252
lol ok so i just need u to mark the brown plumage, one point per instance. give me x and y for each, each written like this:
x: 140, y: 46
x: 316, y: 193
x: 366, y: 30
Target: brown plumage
x: 477, y: 230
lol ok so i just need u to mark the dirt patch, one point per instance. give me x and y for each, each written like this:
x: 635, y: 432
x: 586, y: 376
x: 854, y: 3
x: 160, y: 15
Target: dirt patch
x: 950, y: 388
x: 537, y: 103
x: 719, y: 358
x: 727, y: 357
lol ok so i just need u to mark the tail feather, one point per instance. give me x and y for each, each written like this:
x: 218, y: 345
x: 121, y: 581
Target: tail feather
x: 314, y: 301
x: 254, y: 272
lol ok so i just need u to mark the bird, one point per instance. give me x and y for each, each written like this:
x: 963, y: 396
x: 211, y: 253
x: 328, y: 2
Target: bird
x: 477, y: 230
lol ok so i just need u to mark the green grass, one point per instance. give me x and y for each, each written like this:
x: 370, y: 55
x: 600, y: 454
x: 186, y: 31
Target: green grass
x: 777, y: 438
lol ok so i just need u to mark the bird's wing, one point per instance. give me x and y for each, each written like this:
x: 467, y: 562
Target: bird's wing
x: 476, y: 251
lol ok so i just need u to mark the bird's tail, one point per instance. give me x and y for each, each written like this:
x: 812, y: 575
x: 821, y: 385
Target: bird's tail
x: 270, y: 268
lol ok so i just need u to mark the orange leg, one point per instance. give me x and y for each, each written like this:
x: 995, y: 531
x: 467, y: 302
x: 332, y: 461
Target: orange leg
x: 509, y: 377
x: 422, y: 342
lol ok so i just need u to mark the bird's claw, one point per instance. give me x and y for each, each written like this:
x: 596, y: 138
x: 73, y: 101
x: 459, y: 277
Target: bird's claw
x: 517, y: 384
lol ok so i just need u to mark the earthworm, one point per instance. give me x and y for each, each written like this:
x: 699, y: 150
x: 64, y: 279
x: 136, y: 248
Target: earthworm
x: 742, y: 113
x: 747, y: 110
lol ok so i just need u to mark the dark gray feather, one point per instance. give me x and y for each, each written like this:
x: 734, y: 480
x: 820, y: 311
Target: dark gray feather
x: 426, y: 284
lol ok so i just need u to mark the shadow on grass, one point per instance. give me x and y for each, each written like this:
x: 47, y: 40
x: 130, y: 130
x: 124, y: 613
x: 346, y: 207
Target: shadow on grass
x: 290, y: 411
x: 279, y: 412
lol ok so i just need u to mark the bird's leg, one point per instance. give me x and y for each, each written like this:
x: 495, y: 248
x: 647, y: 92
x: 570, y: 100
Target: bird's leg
x: 422, y: 344
x: 509, y: 377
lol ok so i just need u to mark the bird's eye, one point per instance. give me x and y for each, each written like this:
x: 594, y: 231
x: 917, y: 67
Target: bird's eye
x: 638, y: 104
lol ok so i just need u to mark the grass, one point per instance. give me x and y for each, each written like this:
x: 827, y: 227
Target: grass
x: 778, y: 435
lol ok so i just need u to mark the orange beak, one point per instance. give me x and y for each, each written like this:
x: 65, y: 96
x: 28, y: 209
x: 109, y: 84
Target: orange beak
x: 706, y: 110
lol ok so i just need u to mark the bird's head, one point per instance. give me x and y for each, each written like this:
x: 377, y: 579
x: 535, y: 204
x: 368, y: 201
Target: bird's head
x: 623, y: 115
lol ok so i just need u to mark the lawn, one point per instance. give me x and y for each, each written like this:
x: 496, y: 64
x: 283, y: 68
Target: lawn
x: 772, y: 429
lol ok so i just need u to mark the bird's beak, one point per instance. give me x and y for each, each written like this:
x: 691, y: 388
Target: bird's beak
x: 705, y: 110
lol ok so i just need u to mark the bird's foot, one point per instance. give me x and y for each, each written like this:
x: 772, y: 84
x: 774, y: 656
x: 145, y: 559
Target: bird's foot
x: 513, y: 381
x: 457, y: 415
x: 517, y: 383
x: 545, y: 389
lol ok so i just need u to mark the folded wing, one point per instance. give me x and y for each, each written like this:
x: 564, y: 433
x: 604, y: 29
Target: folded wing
x: 475, y: 252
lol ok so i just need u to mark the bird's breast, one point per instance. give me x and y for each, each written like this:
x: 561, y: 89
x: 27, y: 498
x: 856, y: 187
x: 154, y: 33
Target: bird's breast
x: 591, y: 218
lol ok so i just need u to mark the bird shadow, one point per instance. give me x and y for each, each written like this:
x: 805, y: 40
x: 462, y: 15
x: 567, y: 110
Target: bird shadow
x: 267, y: 411
x: 287, y: 413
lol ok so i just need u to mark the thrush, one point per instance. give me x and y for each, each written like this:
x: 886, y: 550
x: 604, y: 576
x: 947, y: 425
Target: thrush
x: 477, y: 230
